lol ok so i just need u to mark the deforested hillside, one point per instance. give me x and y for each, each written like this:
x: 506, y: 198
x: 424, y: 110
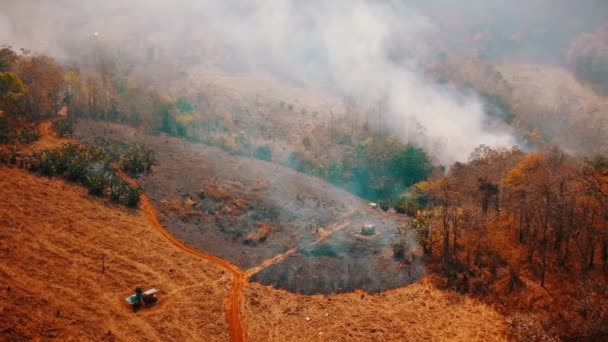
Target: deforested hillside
x: 67, y: 262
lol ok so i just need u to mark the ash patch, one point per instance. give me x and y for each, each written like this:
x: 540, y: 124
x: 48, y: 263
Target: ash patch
x: 345, y: 261
x: 250, y: 211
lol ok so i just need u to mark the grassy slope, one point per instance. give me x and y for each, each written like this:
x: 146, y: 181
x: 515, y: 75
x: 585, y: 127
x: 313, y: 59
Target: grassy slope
x: 418, y: 312
x: 53, y: 237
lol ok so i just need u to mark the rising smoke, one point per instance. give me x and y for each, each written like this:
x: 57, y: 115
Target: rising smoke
x: 368, y: 50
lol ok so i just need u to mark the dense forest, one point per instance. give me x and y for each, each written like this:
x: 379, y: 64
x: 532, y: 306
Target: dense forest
x: 526, y: 230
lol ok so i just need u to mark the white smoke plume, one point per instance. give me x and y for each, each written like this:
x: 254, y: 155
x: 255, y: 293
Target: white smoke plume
x: 367, y: 50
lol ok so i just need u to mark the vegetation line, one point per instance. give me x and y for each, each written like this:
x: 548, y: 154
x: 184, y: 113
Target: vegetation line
x: 239, y: 277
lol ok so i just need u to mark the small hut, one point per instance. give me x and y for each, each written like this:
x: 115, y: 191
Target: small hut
x: 368, y: 229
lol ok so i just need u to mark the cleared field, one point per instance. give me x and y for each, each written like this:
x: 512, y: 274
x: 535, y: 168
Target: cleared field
x: 54, y: 244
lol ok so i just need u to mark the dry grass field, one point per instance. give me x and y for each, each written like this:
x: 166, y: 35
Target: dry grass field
x: 54, y: 240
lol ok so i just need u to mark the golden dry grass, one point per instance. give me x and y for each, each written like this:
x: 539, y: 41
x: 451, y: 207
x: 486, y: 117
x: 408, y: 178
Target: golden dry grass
x: 419, y: 312
x: 52, y: 241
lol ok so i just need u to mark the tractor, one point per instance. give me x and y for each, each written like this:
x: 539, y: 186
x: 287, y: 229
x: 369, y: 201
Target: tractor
x: 140, y: 298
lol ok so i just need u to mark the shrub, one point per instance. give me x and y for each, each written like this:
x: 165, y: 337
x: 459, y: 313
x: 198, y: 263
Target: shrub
x: 263, y: 152
x: 116, y: 188
x: 402, y: 245
x: 28, y: 136
x: 385, y: 205
x: 13, y: 155
x: 132, y: 158
x: 63, y: 127
x: 132, y: 196
x: 407, y: 206
x: 89, y: 166
x: 398, y: 250
x: 5, y: 132
x: 96, y: 183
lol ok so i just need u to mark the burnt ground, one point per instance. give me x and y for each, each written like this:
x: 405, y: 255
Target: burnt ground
x: 217, y: 202
x: 345, y: 261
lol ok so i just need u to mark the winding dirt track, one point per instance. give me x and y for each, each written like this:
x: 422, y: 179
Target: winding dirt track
x: 239, y: 278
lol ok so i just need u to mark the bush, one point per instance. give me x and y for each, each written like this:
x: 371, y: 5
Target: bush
x: 116, y: 188
x: 5, y: 132
x: 28, y: 136
x: 385, y: 205
x: 132, y: 158
x: 263, y: 152
x: 96, y: 183
x: 63, y: 127
x: 402, y: 245
x: 90, y: 166
x: 13, y: 155
x: 132, y: 196
x: 407, y: 206
x: 398, y: 250
x: 77, y: 169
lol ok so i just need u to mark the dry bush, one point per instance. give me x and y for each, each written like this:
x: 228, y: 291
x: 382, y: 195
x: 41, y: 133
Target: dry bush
x: 183, y: 209
x: 215, y: 192
x: 260, y: 235
x: 234, y: 202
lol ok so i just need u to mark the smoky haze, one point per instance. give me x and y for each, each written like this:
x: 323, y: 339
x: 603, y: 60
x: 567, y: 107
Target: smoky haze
x: 373, y: 52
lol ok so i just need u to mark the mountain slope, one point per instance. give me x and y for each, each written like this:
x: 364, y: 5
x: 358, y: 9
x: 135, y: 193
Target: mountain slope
x: 54, y: 241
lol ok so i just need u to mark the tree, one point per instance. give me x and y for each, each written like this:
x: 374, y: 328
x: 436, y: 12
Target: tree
x: 75, y: 95
x: 542, y: 189
x: 7, y: 58
x: 12, y: 94
x: 444, y: 195
x: 44, y: 78
x: 5, y: 132
x: 263, y: 152
x: 184, y: 106
x: 410, y: 165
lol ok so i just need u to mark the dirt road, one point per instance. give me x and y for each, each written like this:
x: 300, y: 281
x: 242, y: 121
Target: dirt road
x: 323, y: 234
x: 239, y: 277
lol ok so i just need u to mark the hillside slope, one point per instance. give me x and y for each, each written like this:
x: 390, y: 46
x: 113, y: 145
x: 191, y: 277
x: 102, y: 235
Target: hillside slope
x: 544, y: 98
x: 53, y: 240
x: 418, y: 312
x: 51, y: 259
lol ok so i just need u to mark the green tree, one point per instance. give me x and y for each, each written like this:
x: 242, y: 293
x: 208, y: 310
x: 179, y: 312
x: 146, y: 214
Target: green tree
x: 410, y: 166
x: 12, y: 93
x: 184, y: 106
x: 263, y: 152
x: 7, y: 57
